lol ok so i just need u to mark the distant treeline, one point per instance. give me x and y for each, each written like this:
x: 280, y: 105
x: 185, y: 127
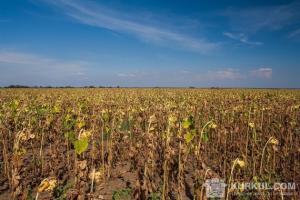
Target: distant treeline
x: 26, y: 86
x: 92, y: 86
x: 89, y: 86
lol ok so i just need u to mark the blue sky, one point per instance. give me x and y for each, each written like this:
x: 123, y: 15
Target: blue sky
x: 150, y: 43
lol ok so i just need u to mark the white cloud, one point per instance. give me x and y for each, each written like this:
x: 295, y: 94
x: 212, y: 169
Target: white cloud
x: 226, y: 74
x: 126, y: 75
x: 137, y: 74
x: 130, y: 23
x: 265, y: 73
x: 19, y: 65
x: 23, y: 58
x: 184, y: 76
x: 294, y: 33
x: 227, y: 77
x: 270, y: 18
x: 241, y: 37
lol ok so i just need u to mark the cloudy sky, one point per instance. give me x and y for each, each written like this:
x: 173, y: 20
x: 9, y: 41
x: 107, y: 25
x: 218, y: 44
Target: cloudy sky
x: 226, y: 43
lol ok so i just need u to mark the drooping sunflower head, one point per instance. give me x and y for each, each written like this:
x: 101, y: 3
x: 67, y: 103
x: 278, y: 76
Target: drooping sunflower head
x: 48, y: 184
x: 240, y: 163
